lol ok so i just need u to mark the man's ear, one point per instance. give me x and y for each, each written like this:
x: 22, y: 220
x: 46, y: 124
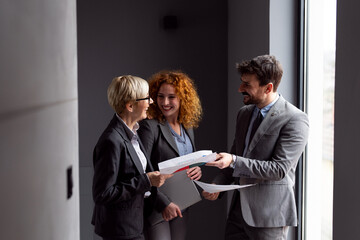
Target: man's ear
x: 269, y: 88
x: 129, y: 106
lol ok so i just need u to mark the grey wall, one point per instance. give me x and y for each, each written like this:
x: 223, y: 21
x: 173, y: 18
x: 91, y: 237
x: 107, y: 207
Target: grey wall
x: 248, y: 36
x: 346, y: 215
x: 126, y: 37
x: 256, y: 28
x: 38, y: 120
x: 283, y: 43
x: 284, y: 40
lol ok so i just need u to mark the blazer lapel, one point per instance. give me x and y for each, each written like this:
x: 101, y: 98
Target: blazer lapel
x: 168, y: 136
x: 271, y: 116
x: 149, y: 167
x: 245, y: 118
x: 133, y: 155
x: 190, y: 133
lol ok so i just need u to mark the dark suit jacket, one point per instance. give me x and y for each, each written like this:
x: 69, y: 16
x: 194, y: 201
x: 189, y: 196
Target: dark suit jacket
x: 119, y: 184
x: 270, y: 161
x: 160, y: 145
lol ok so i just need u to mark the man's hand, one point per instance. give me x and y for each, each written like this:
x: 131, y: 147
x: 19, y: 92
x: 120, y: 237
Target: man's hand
x: 171, y: 212
x: 210, y: 196
x: 194, y: 173
x: 157, y: 179
x: 223, y: 160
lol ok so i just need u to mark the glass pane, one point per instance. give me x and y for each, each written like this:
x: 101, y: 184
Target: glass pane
x: 320, y: 65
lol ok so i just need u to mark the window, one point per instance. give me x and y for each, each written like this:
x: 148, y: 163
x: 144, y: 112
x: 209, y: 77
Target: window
x: 320, y: 79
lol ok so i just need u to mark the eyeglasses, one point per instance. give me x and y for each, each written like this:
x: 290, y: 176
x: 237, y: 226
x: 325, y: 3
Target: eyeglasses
x: 147, y: 98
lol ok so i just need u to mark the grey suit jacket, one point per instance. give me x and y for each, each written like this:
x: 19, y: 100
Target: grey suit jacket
x: 160, y: 145
x: 270, y: 161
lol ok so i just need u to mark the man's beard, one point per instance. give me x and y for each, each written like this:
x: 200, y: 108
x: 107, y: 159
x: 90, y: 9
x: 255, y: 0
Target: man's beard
x: 250, y: 99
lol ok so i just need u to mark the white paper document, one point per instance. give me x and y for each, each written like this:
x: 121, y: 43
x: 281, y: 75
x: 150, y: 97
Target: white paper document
x: 213, y: 188
x: 189, y: 160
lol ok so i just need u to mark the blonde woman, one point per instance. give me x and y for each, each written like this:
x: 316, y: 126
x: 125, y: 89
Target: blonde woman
x: 123, y: 176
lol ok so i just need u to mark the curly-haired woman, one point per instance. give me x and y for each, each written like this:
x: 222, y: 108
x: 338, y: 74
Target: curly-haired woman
x: 169, y: 134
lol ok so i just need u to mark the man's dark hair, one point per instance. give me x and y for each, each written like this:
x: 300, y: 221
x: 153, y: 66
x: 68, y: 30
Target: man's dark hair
x: 266, y: 68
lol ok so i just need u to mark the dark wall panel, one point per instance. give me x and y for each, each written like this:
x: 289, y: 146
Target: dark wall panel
x: 128, y: 37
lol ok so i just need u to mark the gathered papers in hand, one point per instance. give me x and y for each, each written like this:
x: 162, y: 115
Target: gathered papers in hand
x: 213, y: 188
x: 193, y: 159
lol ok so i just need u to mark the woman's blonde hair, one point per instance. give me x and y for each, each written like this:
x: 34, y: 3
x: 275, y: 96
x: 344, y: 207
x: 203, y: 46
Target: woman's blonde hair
x: 124, y: 89
x: 190, y: 112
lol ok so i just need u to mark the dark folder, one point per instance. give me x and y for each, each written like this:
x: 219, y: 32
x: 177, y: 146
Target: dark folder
x: 181, y: 190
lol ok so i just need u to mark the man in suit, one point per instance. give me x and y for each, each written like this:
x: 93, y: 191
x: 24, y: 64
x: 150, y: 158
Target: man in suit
x: 270, y: 137
x: 123, y: 175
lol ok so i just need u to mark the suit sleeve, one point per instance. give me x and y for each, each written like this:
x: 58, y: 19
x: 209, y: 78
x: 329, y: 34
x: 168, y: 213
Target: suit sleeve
x: 289, y: 145
x: 108, y: 186
x: 148, y: 133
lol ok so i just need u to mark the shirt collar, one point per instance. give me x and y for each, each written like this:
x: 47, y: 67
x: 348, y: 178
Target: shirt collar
x: 130, y: 132
x: 266, y: 109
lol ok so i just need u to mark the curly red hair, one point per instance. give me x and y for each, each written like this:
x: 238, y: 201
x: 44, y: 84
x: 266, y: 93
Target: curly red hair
x: 190, y: 112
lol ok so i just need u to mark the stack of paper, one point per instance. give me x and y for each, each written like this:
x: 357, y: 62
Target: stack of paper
x: 189, y: 160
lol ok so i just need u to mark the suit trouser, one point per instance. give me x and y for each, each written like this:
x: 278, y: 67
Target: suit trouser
x: 238, y: 229
x: 172, y: 230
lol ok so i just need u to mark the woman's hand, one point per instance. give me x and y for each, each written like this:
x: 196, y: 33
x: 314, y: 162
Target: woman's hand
x: 194, y: 173
x: 157, y: 179
x: 171, y: 211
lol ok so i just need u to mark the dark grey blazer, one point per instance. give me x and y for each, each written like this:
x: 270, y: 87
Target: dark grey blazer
x: 270, y: 161
x: 160, y: 145
x: 119, y: 185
